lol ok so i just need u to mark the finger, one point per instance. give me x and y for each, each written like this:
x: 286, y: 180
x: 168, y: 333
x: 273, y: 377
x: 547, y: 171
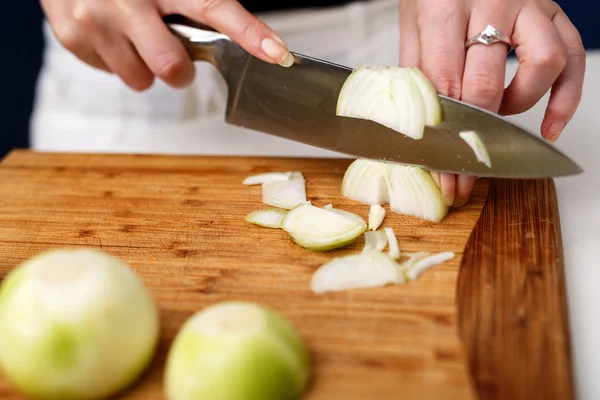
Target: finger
x: 567, y: 90
x: 164, y: 55
x: 448, y: 188
x: 485, y: 66
x: 410, y: 48
x: 232, y: 19
x: 542, y: 58
x: 442, y: 45
x: 71, y: 34
x: 464, y: 187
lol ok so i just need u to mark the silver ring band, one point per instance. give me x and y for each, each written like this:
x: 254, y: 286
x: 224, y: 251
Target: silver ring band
x: 489, y: 35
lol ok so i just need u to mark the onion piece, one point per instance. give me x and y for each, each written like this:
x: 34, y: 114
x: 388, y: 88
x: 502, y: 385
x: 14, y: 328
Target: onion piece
x: 365, y: 270
x: 376, y: 215
x: 259, y: 179
x: 237, y: 350
x: 402, y: 99
x: 328, y: 206
x: 475, y: 143
x: 318, y: 229
x: 394, y: 249
x: 364, y: 181
x: 75, y: 323
x: 375, y: 241
x: 285, y: 194
x: 268, y: 218
x: 427, y: 262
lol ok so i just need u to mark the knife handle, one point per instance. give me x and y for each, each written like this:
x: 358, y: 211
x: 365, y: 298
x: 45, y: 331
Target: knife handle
x: 202, y: 42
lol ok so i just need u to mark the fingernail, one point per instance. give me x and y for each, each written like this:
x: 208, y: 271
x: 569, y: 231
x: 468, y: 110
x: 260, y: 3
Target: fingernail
x: 555, y: 130
x: 436, y: 178
x: 448, y: 186
x: 277, y: 52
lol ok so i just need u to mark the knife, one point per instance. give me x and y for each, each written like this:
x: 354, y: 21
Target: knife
x: 299, y: 103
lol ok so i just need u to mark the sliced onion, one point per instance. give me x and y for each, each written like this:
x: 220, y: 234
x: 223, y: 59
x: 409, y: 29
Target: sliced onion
x: 285, y: 194
x: 376, y: 215
x: 318, y: 229
x: 328, y: 206
x: 237, y: 350
x: 375, y: 241
x: 259, y: 179
x: 364, y: 181
x: 365, y: 270
x: 427, y: 262
x: 402, y: 99
x: 394, y: 249
x: 269, y: 218
x: 475, y: 143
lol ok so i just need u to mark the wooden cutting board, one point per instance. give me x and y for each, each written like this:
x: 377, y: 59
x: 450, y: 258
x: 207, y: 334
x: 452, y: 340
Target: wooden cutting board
x: 489, y: 324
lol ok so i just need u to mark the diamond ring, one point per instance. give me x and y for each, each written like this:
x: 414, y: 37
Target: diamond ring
x: 489, y: 35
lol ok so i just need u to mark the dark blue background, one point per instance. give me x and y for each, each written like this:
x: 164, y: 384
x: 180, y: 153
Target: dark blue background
x: 22, y: 46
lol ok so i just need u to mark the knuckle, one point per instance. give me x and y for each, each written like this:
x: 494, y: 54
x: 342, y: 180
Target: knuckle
x: 554, y: 58
x: 483, y: 86
x: 575, y: 48
x: 209, y: 6
x: 68, y: 36
x: 447, y: 86
x: 84, y: 14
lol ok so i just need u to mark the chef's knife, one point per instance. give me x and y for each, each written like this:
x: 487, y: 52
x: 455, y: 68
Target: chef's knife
x: 299, y: 103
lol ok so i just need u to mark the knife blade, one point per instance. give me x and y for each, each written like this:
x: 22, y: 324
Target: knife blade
x: 299, y: 104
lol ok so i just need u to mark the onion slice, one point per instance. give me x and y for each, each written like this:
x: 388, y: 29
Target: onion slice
x: 394, y: 249
x: 364, y: 181
x: 285, y: 194
x: 476, y: 144
x: 319, y: 229
x: 259, y: 179
x: 365, y: 270
x: 424, y: 263
x: 268, y: 218
x: 375, y: 241
x: 376, y: 215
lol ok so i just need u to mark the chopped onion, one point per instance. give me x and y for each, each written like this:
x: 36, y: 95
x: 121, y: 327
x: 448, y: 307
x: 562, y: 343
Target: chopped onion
x: 376, y: 215
x: 394, y: 249
x: 365, y: 270
x: 328, y: 206
x: 427, y: 262
x: 375, y: 241
x: 474, y: 141
x: 237, y: 350
x: 75, y: 323
x: 269, y: 218
x: 364, y: 181
x: 285, y: 194
x: 402, y: 99
x: 318, y: 229
x: 259, y: 179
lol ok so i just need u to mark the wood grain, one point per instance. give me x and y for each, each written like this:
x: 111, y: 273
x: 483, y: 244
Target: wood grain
x: 179, y: 222
x: 512, y: 298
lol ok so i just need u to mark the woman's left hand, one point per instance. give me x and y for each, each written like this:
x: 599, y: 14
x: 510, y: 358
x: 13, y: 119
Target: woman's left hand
x: 547, y: 45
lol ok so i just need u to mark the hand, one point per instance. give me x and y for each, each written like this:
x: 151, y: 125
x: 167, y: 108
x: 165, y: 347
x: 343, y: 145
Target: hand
x: 130, y: 39
x: 549, y: 49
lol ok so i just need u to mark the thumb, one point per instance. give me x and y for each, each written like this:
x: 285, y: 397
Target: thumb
x: 232, y: 19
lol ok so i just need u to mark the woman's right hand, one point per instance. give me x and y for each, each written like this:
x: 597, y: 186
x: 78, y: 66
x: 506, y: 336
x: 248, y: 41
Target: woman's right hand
x: 130, y: 39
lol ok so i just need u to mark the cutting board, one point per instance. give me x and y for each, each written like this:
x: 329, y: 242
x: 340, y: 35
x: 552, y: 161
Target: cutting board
x: 489, y: 324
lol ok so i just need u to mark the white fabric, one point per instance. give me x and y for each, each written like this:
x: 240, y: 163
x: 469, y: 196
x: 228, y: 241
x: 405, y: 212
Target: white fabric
x: 81, y: 109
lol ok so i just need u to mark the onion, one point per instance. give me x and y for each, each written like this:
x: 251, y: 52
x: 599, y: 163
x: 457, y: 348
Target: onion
x: 328, y: 206
x: 402, y: 99
x: 365, y: 270
x: 474, y: 141
x: 285, y: 194
x: 237, y: 350
x: 409, y: 190
x: 376, y: 215
x: 269, y: 218
x: 75, y: 323
x: 394, y: 251
x: 375, y: 241
x: 427, y: 262
x: 321, y: 229
x: 268, y: 177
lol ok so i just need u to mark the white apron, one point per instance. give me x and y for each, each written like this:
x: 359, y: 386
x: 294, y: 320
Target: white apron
x: 81, y: 109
